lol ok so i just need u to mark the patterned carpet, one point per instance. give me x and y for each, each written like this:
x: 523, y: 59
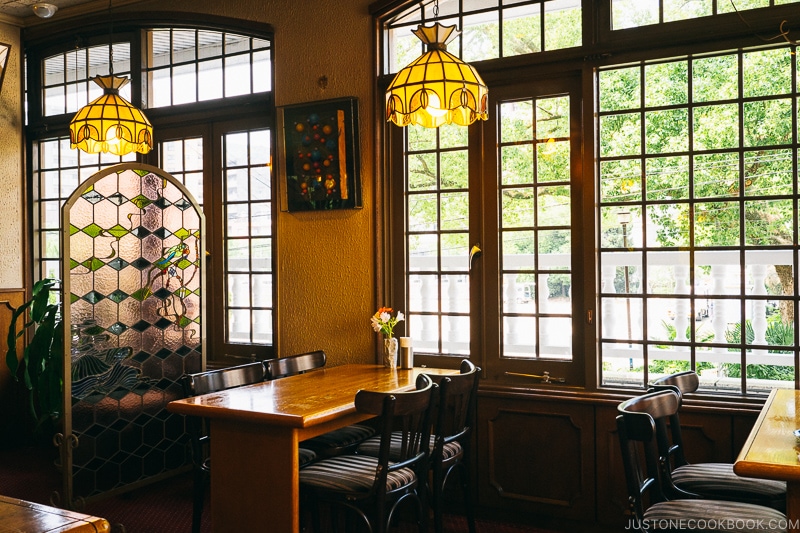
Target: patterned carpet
x: 163, y: 507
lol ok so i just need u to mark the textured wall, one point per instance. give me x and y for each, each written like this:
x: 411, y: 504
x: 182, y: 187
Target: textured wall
x: 325, y: 260
x: 11, y: 178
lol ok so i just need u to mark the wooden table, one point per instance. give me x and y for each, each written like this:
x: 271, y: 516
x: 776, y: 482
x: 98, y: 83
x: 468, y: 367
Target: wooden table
x: 20, y: 515
x: 256, y: 430
x: 771, y: 451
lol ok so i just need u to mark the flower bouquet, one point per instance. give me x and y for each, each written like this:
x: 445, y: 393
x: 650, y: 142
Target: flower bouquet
x: 384, y: 322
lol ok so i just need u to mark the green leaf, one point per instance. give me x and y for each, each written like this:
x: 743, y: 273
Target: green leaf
x: 11, y: 355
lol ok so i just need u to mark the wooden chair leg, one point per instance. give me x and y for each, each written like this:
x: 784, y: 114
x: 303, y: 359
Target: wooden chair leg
x: 466, y: 484
x: 198, y: 497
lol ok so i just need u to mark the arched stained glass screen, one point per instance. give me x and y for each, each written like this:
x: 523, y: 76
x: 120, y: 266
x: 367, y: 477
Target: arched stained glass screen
x: 134, y: 238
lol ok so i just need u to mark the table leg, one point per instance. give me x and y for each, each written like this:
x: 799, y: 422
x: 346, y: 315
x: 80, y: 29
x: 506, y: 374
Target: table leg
x: 254, y: 478
x: 793, y: 505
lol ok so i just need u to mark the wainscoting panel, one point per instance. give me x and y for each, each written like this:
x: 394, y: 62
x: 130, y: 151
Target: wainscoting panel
x: 536, y: 457
x: 557, y: 454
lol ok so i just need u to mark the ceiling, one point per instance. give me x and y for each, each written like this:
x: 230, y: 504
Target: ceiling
x: 22, y: 8
x: 21, y: 11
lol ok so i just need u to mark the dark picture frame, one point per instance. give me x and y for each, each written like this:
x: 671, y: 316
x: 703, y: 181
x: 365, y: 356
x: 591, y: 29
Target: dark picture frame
x: 321, y: 155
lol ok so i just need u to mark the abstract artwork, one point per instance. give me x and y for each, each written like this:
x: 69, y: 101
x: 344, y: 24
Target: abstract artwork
x: 322, y: 155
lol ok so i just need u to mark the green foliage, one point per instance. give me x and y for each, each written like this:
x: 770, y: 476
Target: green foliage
x: 778, y: 334
x: 43, y: 357
x: 667, y: 366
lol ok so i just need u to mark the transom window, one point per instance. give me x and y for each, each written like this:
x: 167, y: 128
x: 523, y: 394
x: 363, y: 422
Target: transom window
x: 635, y: 13
x: 188, y: 65
x: 488, y: 30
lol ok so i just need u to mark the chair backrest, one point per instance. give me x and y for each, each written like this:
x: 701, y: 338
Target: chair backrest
x: 682, y: 383
x: 456, y: 406
x: 636, y: 429
x: 406, y: 415
x: 295, y: 364
x: 214, y: 381
x: 223, y: 378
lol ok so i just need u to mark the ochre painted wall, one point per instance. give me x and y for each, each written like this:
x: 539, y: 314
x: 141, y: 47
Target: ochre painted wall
x: 11, y: 175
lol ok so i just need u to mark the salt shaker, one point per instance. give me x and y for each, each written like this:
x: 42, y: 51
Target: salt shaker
x: 406, y: 353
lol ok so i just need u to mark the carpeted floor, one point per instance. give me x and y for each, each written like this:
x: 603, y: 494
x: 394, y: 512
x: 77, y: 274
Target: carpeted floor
x: 163, y: 507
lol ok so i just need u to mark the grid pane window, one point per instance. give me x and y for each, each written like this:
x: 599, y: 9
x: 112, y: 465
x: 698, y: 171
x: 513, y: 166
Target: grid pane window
x: 437, y: 239
x: 698, y: 220
x: 67, y: 77
x: 187, y: 66
x: 248, y: 236
x: 57, y: 172
x: 535, y: 222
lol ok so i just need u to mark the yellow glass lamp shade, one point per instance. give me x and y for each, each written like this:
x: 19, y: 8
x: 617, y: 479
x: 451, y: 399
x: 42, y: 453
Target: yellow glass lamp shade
x: 437, y: 88
x: 110, y: 124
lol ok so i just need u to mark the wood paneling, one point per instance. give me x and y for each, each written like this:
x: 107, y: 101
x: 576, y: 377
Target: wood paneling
x: 13, y: 399
x: 536, y: 457
x: 558, y: 454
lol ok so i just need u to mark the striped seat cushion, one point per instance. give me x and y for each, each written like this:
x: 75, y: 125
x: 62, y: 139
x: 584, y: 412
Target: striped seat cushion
x: 340, y: 438
x: 372, y: 447
x: 713, y: 515
x: 306, y: 456
x: 352, y: 474
x: 719, y: 479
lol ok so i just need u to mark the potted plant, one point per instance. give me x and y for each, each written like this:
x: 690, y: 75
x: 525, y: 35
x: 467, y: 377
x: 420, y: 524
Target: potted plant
x: 40, y: 368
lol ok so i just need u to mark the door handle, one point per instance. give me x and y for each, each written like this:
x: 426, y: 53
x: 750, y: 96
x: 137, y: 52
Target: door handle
x: 546, y: 378
x: 474, y: 252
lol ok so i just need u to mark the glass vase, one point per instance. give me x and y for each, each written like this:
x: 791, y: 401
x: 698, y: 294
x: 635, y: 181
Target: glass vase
x: 390, y: 352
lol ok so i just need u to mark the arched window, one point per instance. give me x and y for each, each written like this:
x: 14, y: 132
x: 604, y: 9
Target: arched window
x: 207, y: 90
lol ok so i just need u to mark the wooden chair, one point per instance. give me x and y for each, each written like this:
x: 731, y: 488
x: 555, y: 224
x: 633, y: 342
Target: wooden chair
x: 650, y: 506
x: 205, y: 383
x: 455, y: 419
x: 334, y: 442
x: 705, y: 480
x: 295, y: 364
x: 374, y: 487
x: 452, y: 423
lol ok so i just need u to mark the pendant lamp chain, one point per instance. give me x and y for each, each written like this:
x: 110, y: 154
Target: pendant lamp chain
x: 110, y: 41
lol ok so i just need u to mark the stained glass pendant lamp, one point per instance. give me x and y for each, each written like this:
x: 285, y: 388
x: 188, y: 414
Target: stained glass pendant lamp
x: 110, y: 124
x: 437, y: 88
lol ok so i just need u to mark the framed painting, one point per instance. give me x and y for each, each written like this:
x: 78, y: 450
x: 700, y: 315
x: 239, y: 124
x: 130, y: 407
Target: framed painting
x: 321, y: 155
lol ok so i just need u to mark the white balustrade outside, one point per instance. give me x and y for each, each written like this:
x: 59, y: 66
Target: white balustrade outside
x: 555, y: 337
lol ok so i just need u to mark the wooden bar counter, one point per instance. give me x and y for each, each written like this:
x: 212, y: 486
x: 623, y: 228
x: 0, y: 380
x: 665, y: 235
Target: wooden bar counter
x: 256, y: 431
x: 20, y: 516
x: 771, y: 450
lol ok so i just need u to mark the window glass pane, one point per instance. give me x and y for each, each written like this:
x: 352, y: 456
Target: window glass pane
x: 633, y: 13
x: 562, y: 24
x: 522, y: 30
x: 480, y: 37
x: 209, y: 84
x: 683, y: 10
